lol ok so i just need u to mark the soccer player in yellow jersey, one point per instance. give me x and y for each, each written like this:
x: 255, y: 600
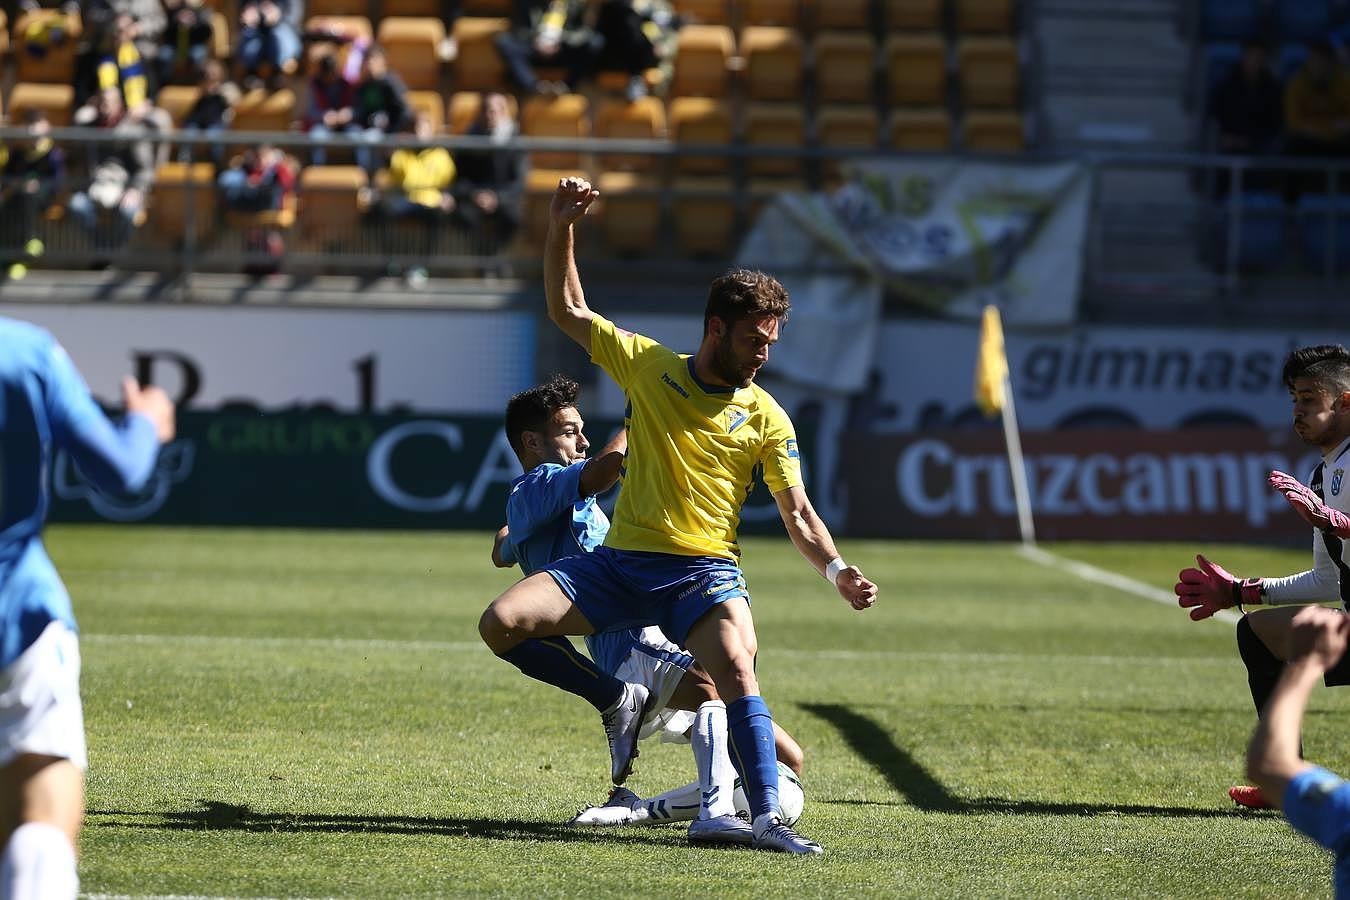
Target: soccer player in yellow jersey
x: 698, y: 427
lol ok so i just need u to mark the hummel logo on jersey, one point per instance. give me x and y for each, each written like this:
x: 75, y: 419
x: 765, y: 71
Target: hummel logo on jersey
x: 665, y: 376
x: 736, y: 417
x: 1336, y: 477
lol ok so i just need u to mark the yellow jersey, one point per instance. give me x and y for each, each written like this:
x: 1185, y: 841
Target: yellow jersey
x: 693, y: 449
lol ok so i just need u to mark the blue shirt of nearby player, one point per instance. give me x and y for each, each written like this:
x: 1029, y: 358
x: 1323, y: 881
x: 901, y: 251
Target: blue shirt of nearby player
x: 548, y: 518
x: 1317, y: 803
x: 45, y: 406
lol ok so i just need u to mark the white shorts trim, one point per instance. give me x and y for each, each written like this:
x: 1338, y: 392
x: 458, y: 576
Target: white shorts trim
x: 40, y: 708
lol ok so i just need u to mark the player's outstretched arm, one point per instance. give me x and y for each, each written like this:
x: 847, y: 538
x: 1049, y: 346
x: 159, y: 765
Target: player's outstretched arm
x: 1318, y: 637
x: 1208, y: 589
x: 605, y: 467
x: 812, y: 540
x: 562, y: 283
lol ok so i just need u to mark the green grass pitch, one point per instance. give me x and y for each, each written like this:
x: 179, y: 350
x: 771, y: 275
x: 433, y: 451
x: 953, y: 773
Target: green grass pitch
x: 311, y: 714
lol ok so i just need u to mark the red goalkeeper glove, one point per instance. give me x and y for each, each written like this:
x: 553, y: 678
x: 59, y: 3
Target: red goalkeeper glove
x: 1208, y: 589
x: 1310, y: 506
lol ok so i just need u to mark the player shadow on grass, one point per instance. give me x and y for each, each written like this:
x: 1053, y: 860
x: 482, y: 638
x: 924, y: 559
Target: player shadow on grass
x: 913, y: 782
x: 216, y: 816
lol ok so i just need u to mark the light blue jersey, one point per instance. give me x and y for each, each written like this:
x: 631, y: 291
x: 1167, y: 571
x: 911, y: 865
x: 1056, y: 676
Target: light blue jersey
x: 1317, y: 803
x: 548, y: 518
x: 45, y: 406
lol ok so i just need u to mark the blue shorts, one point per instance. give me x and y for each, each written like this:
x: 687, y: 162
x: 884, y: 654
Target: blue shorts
x: 632, y: 589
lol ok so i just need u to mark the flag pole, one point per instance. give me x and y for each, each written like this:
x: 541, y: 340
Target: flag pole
x: 993, y: 393
x: 1013, y: 438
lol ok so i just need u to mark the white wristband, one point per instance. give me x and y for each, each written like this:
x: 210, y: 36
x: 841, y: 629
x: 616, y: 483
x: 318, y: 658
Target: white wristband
x: 833, y: 568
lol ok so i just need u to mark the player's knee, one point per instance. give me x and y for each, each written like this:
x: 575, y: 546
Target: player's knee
x: 495, y: 630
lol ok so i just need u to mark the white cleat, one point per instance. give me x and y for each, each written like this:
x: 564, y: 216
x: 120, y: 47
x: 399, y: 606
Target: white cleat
x: 622, y: 724
x: 617, y: 810
x: 721, y: 831
x: 771, y: 834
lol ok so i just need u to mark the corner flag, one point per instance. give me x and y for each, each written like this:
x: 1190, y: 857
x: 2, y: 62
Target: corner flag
x: 991, y: 365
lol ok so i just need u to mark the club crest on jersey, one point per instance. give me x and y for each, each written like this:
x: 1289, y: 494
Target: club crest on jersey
x: 1336, y: 477
x: 736, y: 417
x: 792, y: 449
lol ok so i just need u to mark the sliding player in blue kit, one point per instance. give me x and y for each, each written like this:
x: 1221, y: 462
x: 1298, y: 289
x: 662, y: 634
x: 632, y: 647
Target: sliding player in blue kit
x: 698, y: 428
x: 44, y: 407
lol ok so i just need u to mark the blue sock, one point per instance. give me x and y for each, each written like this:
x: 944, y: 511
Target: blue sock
x: 555, y: 661
x: 750, y: 727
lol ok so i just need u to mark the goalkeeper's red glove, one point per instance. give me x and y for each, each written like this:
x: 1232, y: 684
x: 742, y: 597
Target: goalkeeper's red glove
x: 1208, y: 589
x: 1310, y: 506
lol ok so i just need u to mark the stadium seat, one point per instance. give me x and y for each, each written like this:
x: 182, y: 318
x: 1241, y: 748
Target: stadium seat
x: 785, y: 13
x: 845, y: 15
x: 913, y: 15
x: 540, y: 185
x: 704, y: 213
x: 56, y: 100
x: 4, y: 33
x: 984, y: 16
x: 220, y: 36
x: 356, y: 26
x: 1218, y: 60
x: 477, y: 65
x: 924, y: 130
x: 702, y: 55
x: 332, y: 201
x: 1261, y: 232
x: 183, y: 196
x: 845, y: 66
x: 705, y: 12
x: 413, y: 46
x: 1302, y: 20
x: 846, y: 127
x: 565, y: 116
x: 1317, y: 214
x: 259, y: 110
x: 1229, y: 20
x: 993, y: 132
x: 701, y: 120
x: 462, y: 109
x: 338, y: 8
x: 916, y: 69
x: 988, y: 73
x: 773, y: 63
x: 486, y: 7
x: 643, y: 119
x: 416, y: 9
x: 630, y: 211
x: 775, y: 125
x: 428, y: 102
x: 39, y: 56
x: 177, y: 101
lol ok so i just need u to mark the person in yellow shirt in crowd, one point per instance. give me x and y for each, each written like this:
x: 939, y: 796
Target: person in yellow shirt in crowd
x: 1317, y: 112
x: 419, y: 189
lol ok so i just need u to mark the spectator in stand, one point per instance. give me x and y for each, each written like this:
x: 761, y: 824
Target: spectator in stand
x: 1248, y: 109
x: 381, y: 105
x: 269, y: 40
x: 419, y: 190
x: 214, y: 108
x: 634, y: 37
x: 33, y: 174
x: 1317, y: 105
x: 332, y: 110
x: 259, y: 181
x: 549, y: 33
x: 187, y: 41
x: 490, y: 183
x: 124, y: 69
x: 121, y: 174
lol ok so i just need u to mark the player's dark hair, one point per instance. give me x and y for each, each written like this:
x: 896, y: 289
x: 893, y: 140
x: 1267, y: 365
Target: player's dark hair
x: 530, y: 410
x: 742, y: 293
x: 1328, y: 365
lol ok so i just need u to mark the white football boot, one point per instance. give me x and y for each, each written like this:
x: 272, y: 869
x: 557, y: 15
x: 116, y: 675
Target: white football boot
x: 622, y: 723
x: 721, y: 831
x: 772, y: 834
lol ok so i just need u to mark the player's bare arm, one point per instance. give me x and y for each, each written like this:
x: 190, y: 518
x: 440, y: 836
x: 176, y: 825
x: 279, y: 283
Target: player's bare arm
x: 812, y: 539
x: 562, y: 283
x: 498, y: 540
x: 603, y: 469
x: 1319, y: 638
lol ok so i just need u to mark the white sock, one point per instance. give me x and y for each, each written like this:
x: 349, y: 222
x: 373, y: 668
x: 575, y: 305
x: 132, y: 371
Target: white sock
x: 38, y: 864
x: 716, y: 775
x: 679, y: 804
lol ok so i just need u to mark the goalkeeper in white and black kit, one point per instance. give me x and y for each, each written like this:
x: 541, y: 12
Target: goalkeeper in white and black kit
x: 1318, y: 379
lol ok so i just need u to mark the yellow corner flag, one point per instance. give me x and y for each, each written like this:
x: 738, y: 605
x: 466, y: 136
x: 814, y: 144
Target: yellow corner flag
x: 991, y: 366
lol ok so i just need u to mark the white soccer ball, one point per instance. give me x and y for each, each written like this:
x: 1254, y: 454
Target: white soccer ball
x: 791, y: 797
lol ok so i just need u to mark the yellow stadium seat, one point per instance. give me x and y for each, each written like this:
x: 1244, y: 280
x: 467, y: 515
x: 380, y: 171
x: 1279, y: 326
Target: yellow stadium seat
x: 38, y: 28
x: 220, y: 35
x: 4, y: 33
x: 643, y: 119
x: 413, y: 46
x: 916, y: 69
x: 332, y: 200
x: 993, y: 132
x: 462, y: 109
x: 913, y: 15
x: 177, y: 101
x: 540, y: 185
x: 847, y: 15
x: 565, y: 116
x: 845, y: 66
x: 773, y: 62
x: 846, y: 127
x: 428, y: 102
x: 338, y: 8
x: 417, y: 9
x: 775, y: 125
x: 57, y: 101
x: 356, y: 26
x: 705, y: 12
x: 703, y: 210
x: 478, y: 66
x: 786, y: 13
x: 989, y: 73
x: 259, y: 110
x: 701, y: 120
x: 701, y: 59
x: 183, y: 196
x: 630, y: 210
x: 923, y: 130
x: 985, y: 16
x: 487, y: 7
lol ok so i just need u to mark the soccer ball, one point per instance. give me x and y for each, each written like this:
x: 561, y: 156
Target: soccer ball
x: 791, y: 797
